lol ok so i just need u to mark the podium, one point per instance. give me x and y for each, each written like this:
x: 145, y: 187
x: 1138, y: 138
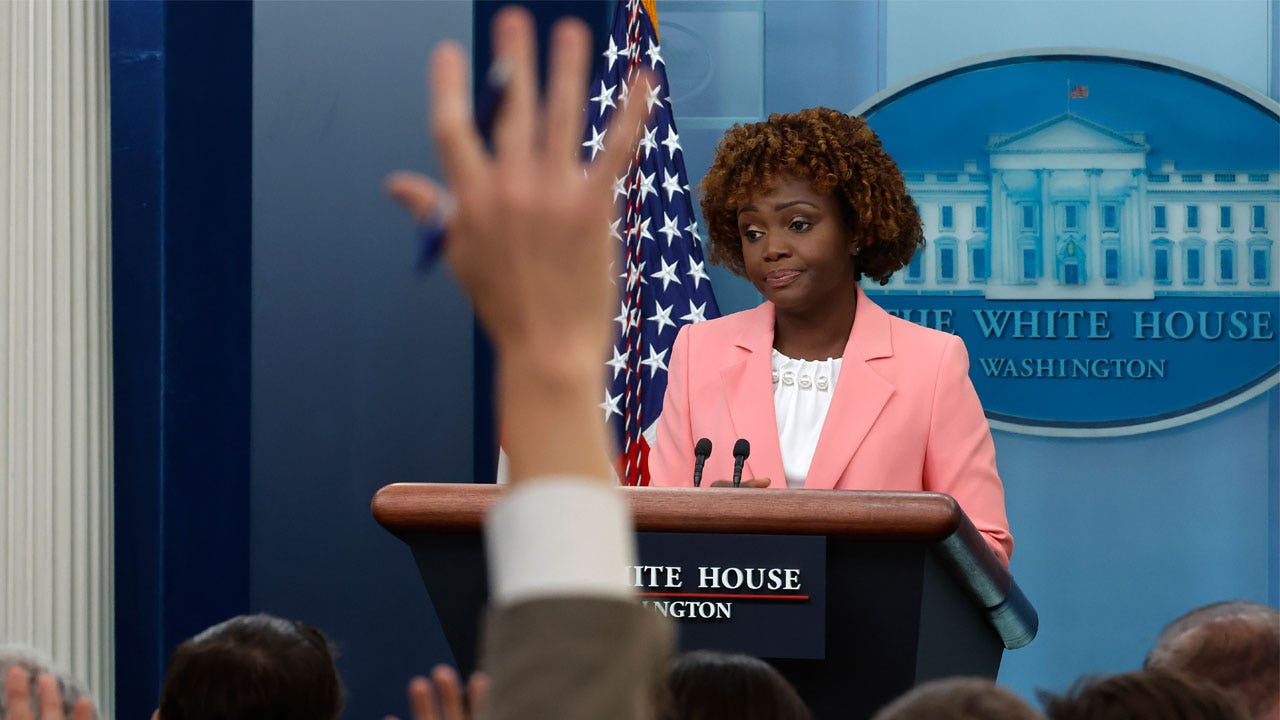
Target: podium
x: 911, y: 592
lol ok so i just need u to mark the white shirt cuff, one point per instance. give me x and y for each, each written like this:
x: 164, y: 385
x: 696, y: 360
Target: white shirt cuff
x: 559, y: 536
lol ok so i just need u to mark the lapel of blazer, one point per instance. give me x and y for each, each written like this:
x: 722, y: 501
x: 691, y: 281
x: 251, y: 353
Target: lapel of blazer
x: 859, y: 396
x: 749, y: 392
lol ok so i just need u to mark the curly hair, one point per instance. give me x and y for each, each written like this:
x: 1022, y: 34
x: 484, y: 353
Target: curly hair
x: 839, y: 155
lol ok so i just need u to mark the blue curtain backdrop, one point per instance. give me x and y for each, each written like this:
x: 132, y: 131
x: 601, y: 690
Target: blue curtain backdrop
x: 181, y: 75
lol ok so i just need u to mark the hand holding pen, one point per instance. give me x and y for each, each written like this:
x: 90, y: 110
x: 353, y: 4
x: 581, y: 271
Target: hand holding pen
x: 530, y: 215
x: 432, y: 228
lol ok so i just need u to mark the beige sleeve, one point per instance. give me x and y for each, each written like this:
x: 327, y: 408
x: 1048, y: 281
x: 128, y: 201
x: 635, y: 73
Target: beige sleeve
x: 576, y: 659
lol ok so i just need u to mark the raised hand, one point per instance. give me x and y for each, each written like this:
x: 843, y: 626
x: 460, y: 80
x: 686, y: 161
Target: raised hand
x: 440, y: 697
x: 17, y: 689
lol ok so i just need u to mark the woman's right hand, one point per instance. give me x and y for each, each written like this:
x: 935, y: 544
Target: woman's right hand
x: 746, y: 483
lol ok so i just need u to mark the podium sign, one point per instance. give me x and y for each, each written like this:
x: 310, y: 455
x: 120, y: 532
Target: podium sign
x: 763, y: 595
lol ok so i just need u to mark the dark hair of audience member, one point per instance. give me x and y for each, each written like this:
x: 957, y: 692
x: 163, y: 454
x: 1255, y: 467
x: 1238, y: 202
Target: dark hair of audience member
x: 1144, y: 695
x: 959, y: 698
x: 1234, y: 644
x: 706, y: 685
x: 253, y: 666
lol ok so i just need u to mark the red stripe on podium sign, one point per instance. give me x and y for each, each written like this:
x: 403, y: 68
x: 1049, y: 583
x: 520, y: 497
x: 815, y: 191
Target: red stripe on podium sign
x: 724, y: 596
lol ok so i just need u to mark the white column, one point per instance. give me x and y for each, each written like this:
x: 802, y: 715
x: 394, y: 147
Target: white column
x: 1138, y: 242
x: 1000, y: 247
x: 56, y: 530
x: 1093, y: 243
x: 1048, y: 229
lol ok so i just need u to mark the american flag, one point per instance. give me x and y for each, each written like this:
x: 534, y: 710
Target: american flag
x: 662, y: 272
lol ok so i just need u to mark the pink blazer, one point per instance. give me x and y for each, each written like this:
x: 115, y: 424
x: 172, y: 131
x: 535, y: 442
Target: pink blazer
x: 904, y: 414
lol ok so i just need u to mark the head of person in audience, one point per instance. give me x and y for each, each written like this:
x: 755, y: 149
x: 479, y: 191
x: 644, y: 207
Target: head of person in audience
x: 707, y: 685
x: 253, y: 666
x: 817, y: 173
x: 1235, y: 644
x: 36, y: 664
x: 959, y: 698
x: 1144, y: 695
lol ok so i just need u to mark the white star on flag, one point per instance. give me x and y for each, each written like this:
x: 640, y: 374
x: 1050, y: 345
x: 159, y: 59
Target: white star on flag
x: 613, y: 53
x: 667, y: 274
x: 655, y: 97
x: 644, y: 224
x: 655, y: 55
x: 633, y: 274
x: 624, y: 316
x: 692, y: 229
x: 646, y: 185
x: 655, y: 361
x: 697, y: 274
x: 610, y: 405
x: 671, y: 183
x: 662, y: 316
x: 618, y: 363
x: 672, y: 142
x: 605, y: 98
x: 696, y: 314
x: 649, y: 141
x: 670, y: 229
x: 596, y: 143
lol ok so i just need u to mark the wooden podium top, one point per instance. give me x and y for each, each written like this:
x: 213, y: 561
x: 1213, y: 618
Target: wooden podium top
x: 923, y: 516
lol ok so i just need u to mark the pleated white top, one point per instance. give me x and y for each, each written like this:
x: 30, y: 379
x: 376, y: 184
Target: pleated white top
x: 801, y: 398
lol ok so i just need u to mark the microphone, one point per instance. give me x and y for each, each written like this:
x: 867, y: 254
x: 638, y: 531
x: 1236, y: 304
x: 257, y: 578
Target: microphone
x: 741, y: 450
x: 701, y: 452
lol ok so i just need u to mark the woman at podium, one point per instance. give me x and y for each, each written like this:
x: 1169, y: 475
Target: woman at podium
x: 828, y: 389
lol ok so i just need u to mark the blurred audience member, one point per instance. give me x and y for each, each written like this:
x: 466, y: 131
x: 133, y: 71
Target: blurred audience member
x: 253, y: 666
x: 1234, y: 644
x: 34, y: 691
x: 959, y: 698
x: 1144, y: 695
x: 707, y: 685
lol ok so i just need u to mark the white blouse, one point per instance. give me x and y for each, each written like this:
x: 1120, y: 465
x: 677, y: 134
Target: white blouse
x: 801, y: 397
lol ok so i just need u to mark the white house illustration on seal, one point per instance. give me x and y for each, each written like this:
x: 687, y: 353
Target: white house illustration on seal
x: 1069, y: 210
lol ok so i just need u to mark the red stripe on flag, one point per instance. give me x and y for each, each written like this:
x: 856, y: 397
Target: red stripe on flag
x: 633, y: 463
